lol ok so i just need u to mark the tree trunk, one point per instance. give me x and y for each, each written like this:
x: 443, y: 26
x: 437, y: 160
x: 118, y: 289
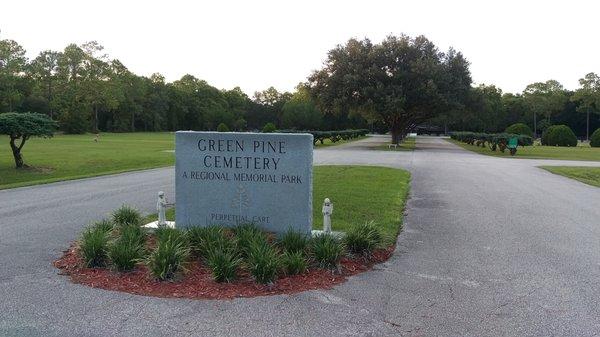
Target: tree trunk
x: 16, y: 150
x: 396, y: 135
x: 95, y: 119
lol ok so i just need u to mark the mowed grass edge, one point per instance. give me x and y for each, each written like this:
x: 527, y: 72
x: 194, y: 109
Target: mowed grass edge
x: 538, y: 152
x: 69, y: 157
x: 587, y: 175
x: 359, y: 194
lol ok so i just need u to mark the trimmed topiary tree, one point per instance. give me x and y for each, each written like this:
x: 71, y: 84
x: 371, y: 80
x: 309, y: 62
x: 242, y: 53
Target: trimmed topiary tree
x: 269, y: 128
x: 595, y: 138
x: 559, y: 135
x: 223, y: 128
x: 519, y: 129
x: 22, y: 126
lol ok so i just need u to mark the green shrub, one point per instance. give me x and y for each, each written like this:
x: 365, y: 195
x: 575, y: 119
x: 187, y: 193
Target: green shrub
x: 559, y: 135
x: 293, y: 241
x: 223, y: 128
x: 326, y: 250
x: 269, y: 128
x: 125, y: 252
x: 363, y: 239
x: 294, y: 263
x: 94, y: 247
x: 595, y: 138
x: 223, y: 262
x: 127, y: 215
x: 104, y: 225
x: 246, y: 235
x: 204, y: 239
x: 519, y: 129
x: 167, y: 259
x: 263, y: 261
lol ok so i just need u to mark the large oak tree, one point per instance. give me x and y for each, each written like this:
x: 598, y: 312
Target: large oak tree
x: 401, y: 81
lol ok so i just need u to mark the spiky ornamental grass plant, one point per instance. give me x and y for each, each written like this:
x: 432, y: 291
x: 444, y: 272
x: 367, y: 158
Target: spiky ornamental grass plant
x: 293, y: 241
x: 204, y: 239
x: 124, y: 253
x: 363, y: 238
x: 168, y: 258
x: 263, y: 261
x: 327, y: 251
x: 177, y: 235
x: 104, y: 225
x: 294, y: 263
x: 126, y: 215
x: 94, y: 246
x: 246, y: 235
x: 224, y: 261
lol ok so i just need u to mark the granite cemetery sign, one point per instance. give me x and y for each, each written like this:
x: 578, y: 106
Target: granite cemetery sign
x: 234, y: 178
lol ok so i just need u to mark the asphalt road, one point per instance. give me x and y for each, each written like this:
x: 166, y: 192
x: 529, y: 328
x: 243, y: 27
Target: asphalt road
x: 491, y: 247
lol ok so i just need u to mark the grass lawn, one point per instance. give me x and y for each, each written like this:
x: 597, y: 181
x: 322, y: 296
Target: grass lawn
x: 588, y: 175
x: 540, y: 152
x: 408, y: 144
x: 359, y: 194
x: 66, y: 157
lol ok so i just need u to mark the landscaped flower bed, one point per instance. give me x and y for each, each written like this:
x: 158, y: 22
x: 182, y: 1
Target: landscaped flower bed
x: 215, y: 262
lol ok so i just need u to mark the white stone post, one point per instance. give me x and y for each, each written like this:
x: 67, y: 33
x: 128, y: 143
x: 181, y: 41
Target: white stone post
x: 327, y: 211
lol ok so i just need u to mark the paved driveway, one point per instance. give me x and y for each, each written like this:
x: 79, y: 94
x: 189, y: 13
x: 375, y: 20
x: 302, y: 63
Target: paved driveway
x: 491, y: 247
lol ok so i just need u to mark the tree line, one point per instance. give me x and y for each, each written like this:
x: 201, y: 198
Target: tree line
x: 84, y: 90
x: 394, y: 86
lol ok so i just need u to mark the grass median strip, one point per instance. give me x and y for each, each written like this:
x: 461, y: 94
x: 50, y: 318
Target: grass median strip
x: 588, y: 175
x: 539, y: 152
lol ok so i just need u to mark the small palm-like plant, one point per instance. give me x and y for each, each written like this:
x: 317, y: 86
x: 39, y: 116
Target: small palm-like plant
x: 364, y: 238
x: 126, y: 215
x: 94, y: 246
x: 294, y: 263
x: 327, y: 251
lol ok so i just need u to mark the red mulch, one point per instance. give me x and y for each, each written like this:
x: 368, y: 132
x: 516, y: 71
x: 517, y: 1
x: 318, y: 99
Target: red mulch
x: 197, y: 282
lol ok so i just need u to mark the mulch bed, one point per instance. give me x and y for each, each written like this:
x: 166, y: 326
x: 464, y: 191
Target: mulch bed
x: 197, y: 282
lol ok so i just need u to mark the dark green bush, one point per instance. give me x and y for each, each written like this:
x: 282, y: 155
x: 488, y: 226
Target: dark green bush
x: 363, y: 239
x: 263, y: 262
x: 294, y: 263
x: 133, y: 233
x: 595, y: 139
x: 94, y: 247
x: 519, y: 129
x: 326, y: 250
x: 559, y: 135
x: 167, y: 259
x: 293, y: 241
x: 224, y: 262
x: 269, y: 128
x: 222, y: 127
x: 127, y: 215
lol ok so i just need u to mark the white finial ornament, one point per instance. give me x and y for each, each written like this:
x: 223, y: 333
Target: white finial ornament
x: 327, y: 211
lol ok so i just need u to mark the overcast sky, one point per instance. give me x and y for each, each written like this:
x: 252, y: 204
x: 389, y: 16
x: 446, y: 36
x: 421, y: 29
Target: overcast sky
x: 257, y: 44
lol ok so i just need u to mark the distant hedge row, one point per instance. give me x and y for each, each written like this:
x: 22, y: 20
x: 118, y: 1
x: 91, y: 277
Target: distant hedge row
x: 333, y: 136
x: 492, y: 140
